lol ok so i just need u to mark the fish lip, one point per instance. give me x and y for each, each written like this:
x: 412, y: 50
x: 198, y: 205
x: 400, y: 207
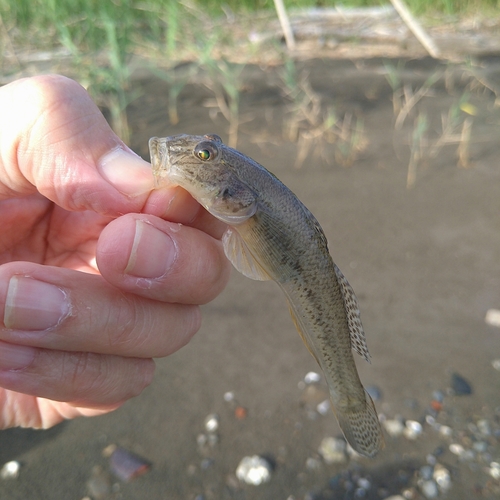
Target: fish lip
x: 161, y: 161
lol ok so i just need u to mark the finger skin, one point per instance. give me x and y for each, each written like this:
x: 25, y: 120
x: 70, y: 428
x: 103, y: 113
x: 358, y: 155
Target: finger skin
x: 198, y: 275
x: 103, y: 319
x: 81, y: 378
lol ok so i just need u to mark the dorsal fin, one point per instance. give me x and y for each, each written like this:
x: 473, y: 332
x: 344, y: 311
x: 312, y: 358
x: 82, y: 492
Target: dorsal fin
x: 356, y: 332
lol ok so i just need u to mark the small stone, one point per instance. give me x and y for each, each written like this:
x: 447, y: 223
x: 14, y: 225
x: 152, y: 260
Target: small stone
x: 492, y: 317
x: 364, y: 483
x: 333, y: 450
x: 312, y: 378
x: 99, y: 484
x: 127, y: 465
x: 457, y: 449
x: 426, y: 472
x: 10, y: 470
x: 429, y: 489
x: 460, y: 386
x: 240, y: 413
x: 446, y: 431
x: 394, y: 427
x: 206, y: 463
x: 484, y: 427
x: 313, y: 463
x: 395, y: 497
x: 438, y: 396
x: 324, y: 407
x: 496, y: 364
x: 412, y: 430
x: 442, y: 477
x: 494, y: 470
x: 254, y: 470
x: 374, y: 392
x: 212, y: 423
x: 480, y: 446
x: 229, y: 396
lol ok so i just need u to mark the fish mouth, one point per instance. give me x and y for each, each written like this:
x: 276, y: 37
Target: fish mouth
x: 161, y: 162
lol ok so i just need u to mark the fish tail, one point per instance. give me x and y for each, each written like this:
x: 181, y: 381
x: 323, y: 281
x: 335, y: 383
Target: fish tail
x: 361, y: 427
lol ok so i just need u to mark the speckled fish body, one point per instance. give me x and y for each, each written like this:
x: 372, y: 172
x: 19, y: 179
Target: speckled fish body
x: 271, y: 235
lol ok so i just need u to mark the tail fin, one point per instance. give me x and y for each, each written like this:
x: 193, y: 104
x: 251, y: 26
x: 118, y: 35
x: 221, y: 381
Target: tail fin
x: 361, y: 427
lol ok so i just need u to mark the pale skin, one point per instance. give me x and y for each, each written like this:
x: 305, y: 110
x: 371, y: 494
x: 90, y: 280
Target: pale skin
x: 99, y: 272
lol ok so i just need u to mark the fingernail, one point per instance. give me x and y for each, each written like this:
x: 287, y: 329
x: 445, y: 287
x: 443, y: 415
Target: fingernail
x: 153, y: 252
x: 15, y: 357
x: 126, y: 171
x: 34, y: 305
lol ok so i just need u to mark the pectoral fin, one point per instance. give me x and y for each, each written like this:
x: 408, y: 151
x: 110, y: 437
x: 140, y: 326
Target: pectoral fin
x: 356, y: 332
x: 240, y: 255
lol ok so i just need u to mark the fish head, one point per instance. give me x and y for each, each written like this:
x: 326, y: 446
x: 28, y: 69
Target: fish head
x: 201, y: 165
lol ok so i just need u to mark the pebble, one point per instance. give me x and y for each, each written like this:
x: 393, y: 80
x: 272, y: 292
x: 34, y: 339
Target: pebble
x: 484, y: 427
x: 10, y: 470
x: 333, y: 450
x: 394, y: 427
x: 212, y: 423
x: 254, y: 470
x: 99, y: 484
x: 446, y: 431
x: 126, y: 465
x: 312, y: 378
x: 229, y: 396
x: 324, y: 407
x: 374, y: 392
x: 494, y: 470
x: 313, y: 463
x: 492, y: 317
x: 460, y: 386
x: 457, y: 449
x: 412, y: 430
x: 429, y: 489
x: 395, y: 497
x: 442, y: 477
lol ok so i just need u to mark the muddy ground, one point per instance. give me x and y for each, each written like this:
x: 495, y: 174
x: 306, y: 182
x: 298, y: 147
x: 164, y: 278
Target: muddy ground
x: 424, y: 262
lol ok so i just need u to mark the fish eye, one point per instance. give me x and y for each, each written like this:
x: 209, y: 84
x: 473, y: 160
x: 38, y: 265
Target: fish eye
x: 206, y: 151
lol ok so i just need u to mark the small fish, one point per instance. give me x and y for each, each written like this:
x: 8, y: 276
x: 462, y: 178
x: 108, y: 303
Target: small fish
x: 271, y: 235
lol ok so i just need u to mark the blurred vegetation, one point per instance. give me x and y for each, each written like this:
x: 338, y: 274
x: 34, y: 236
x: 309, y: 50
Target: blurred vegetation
x: 99, y: 37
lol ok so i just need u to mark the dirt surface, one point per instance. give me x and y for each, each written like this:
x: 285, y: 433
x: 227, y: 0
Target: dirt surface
x: 425, y: 265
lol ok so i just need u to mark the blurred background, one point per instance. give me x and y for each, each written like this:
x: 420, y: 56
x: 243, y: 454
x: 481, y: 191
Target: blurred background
x: 386, y: 124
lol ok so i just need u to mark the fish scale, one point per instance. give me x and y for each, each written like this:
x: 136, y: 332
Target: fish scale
x: 271, y: 235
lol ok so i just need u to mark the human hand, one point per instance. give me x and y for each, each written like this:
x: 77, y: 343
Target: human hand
x: 97, y: 274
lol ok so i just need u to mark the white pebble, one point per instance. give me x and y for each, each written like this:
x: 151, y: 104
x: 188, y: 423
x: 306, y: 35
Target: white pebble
x: 254, y: 470
x: 442, y: 477
x: 10, y: 470
x: 496, y: 364
x: 312, y: 377
x: 229, y: 396
x: 445, y: 431
x: 493, y: 317
x: 333, y: 450
x: 324, y: 407
x: 429, y: 489
x: 395, y: 497
x: 212, y: 423
x: 457, y: 449
x: 494, y: 470
x: 412, y: 430
x: 394, y: 427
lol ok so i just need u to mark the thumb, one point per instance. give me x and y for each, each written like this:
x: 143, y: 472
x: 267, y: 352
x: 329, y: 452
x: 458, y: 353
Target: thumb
x: 54, y: 140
